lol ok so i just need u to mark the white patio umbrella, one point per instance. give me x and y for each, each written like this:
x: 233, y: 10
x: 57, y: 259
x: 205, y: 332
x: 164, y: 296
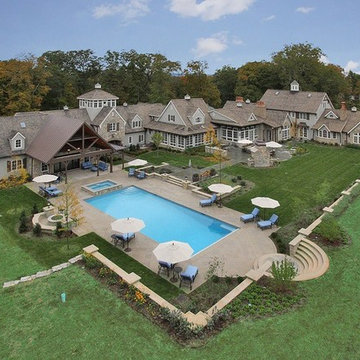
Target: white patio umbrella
x: 245, y: 142
x: 45, y: 179
x: 265, y: 203
x: 273, y: 144
x: 173, y: 251
x: 220, y: 188
x: 127, y: 225
x: 137, y: 162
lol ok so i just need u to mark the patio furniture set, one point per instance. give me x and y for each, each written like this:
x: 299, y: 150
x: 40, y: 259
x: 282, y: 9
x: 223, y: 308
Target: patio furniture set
x: 138, y: 174
x: 102, y: 165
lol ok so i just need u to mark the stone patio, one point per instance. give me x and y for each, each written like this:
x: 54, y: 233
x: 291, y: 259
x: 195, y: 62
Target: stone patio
x: 238, y: 250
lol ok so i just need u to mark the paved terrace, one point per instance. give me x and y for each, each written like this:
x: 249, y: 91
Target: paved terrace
x: 238, y: 250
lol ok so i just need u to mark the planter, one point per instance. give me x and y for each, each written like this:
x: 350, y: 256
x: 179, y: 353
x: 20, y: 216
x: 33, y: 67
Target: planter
x: 53, y: 219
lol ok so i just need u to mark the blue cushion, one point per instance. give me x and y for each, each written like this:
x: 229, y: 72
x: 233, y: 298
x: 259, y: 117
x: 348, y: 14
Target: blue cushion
x: 165, y: 264
x: 190, y: 272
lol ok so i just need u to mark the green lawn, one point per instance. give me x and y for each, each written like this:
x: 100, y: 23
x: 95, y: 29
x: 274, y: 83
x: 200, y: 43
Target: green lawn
x: 294, y: 183
x: 25, y: 254
x: 176, y: 159
x: 94, y: 323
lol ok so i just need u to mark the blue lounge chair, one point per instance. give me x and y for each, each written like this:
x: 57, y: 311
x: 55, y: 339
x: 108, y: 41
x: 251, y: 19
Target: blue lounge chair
x: 165, y: 266
x: 124, y: 238
x: 103, y: 166
x: 131, y: 172
x: 267, y: 224
x: 86, y: 165
x: 189, y: 275
x: 50, y: 192
x: 250, y: 217
x: 208, y: 202
x: 141, y: 175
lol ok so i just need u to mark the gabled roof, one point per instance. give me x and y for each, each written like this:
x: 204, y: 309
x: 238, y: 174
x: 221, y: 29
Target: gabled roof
x: 56, y: 131
x: 11, y: 125
x: 335, y: 125
x: 299, y: 101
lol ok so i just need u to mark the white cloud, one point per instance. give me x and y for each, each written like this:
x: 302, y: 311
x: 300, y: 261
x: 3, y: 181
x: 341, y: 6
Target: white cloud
x: 324, y: 59
x: 353, y: 66
x: 214, y: 44
x: 269, y: 18
x: 304, y: 10
x: 209, y: 9
x: 128, y: 10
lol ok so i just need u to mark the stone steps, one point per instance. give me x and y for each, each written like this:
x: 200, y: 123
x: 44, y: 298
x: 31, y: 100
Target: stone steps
x: 314, y: 260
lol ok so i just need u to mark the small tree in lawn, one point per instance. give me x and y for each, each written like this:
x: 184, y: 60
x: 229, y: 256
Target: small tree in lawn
x: 72, y: 210
x: 212, y: 140
x: 283, y: 273
x: 157, y: 139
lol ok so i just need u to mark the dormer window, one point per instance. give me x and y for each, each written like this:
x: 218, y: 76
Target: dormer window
x: 294, y: 86
x: 18, y: 144
x: 136, y: 123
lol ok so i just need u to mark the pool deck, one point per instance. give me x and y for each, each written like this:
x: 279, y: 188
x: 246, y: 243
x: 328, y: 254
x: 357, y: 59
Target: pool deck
x: 237, y: 251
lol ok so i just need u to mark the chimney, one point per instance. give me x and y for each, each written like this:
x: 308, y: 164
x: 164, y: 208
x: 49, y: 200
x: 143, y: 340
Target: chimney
x: 239, y: 99
x: 343, y: 111
x: 66, y: 108
x: 187, y: 97
x: 260, y: 109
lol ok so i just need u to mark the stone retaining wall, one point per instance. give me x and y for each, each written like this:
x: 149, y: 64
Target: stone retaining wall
x: 199, y: 319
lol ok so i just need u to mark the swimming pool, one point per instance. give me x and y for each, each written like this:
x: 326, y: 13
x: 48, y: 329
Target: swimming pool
x: 165, y: 220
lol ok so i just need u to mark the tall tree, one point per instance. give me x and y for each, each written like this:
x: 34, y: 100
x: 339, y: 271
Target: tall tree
x: 254, y: 78
x: 22, y: 85
x: 225, y: 80
x: 198, y: 84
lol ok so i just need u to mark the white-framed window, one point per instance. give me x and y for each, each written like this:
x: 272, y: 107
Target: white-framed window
x: 95, y: 103
x: 356, y: 138
x: 303, y: 116
x: 334, y: 135
x: 141, y: 138
x: 19, y: 164
x: 324, y: 134
x: 292, y: 114
x: 171, y: 117
x: 44, y: 167
x: 18, y: 144
x: 165, y: 138
x: 181, y: 141
x: 13, y: 165
x: 172, y: 140
x: 112, y: 127
x: 304, y: 132
x: 136, y: 123
x: 130, y: 140
x: 285, y: 132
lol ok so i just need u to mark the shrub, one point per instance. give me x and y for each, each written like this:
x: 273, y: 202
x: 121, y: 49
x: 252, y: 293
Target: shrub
x: 239, y: 177
x: 283, y: 273
x: 59, y: 229
x: 330, y: 230
x: 23, y: 222
x: 212, y: 172
x: 37, y: 229
x: 91, y: 262
x: 234, y: 179
x: 34, y: 209
x: 242, y: 183
x: 195, y: 177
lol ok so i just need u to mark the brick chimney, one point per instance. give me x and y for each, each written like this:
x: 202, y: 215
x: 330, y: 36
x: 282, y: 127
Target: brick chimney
x: 260, y: 109
x: 343, y: 110
x: 239, y: 99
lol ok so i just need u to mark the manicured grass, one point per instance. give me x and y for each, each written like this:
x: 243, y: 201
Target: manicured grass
x: 26, y: 254
x: 295, y: 183
x: 177, y: 159
x: 93, y: 322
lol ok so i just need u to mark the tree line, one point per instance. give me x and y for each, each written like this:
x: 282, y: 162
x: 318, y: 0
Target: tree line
x: 56, y: 78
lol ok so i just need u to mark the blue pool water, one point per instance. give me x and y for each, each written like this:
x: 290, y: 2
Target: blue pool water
x: 164, y: 219
x: 101, y: 185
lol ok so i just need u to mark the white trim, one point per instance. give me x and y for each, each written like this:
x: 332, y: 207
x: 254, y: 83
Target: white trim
x: 252, y: 117
x: 215, y: 111
x: 353, y: 128
x: 331, y: 112
x: 323, y: 125
x: 113, y: 109
x: 18, y: 133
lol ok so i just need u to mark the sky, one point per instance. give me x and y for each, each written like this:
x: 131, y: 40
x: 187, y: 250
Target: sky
x: 221, y: 32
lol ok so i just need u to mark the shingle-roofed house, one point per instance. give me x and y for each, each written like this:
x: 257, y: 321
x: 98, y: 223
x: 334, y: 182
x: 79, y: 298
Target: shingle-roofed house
x: 244, y: 120
x: 338, y: 126
x: 303, y: 107
x: 183, y: 123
